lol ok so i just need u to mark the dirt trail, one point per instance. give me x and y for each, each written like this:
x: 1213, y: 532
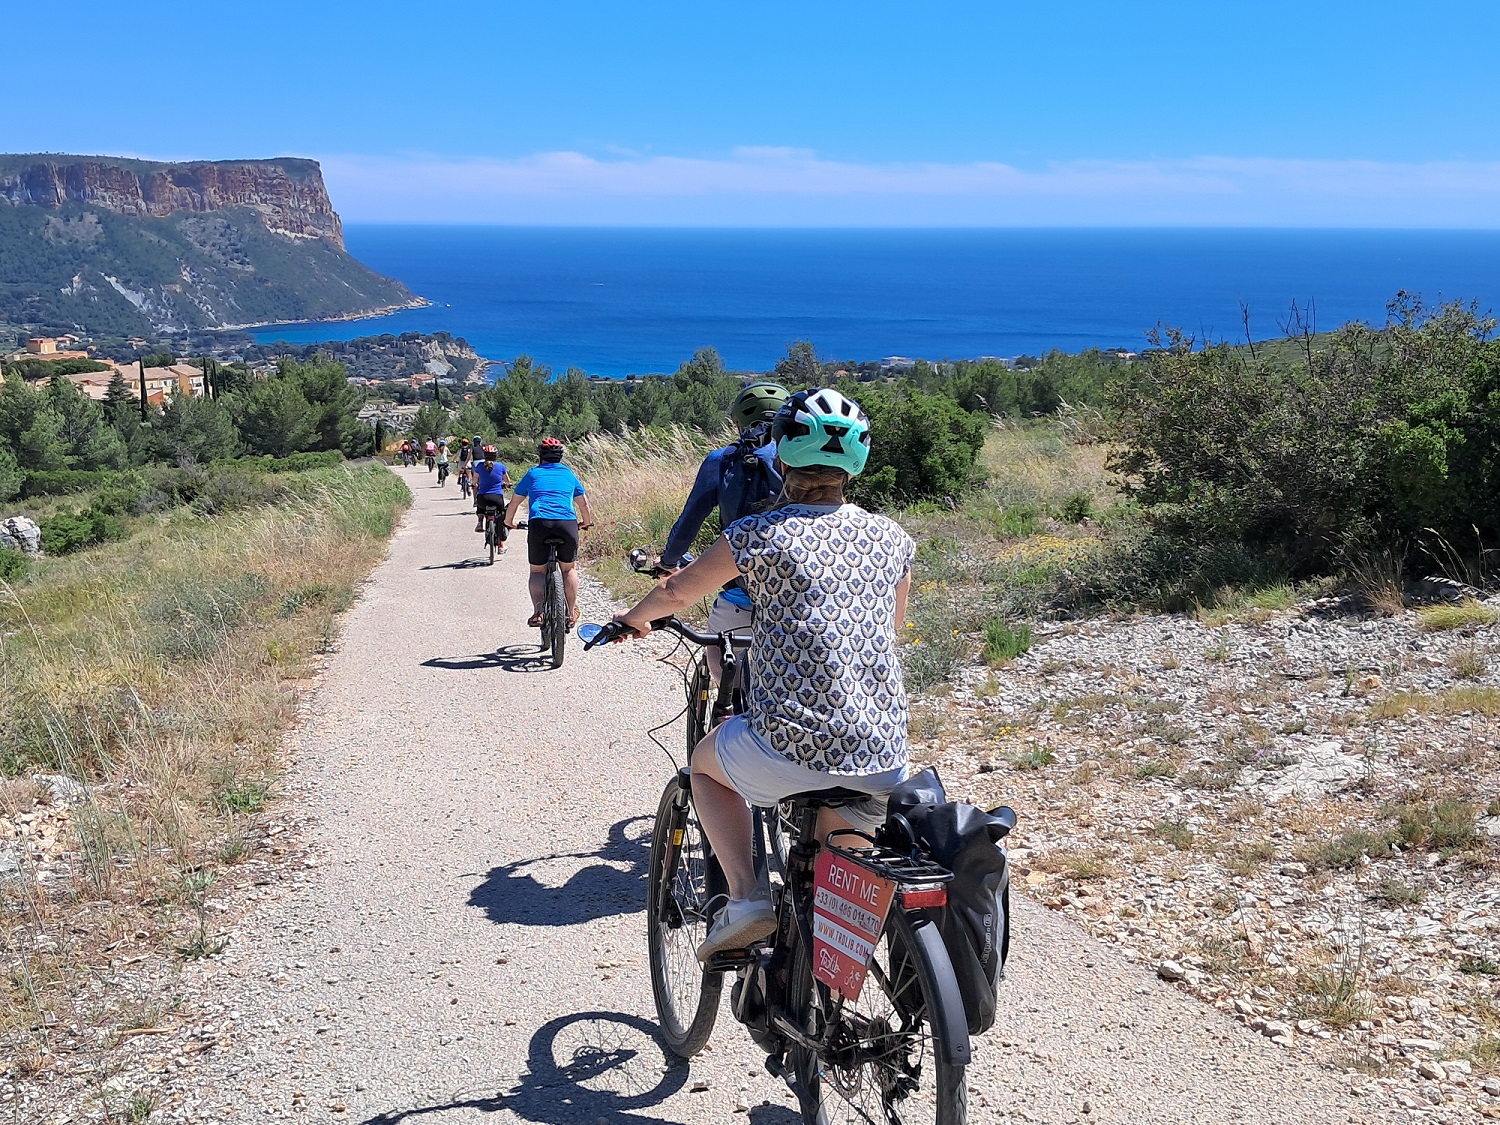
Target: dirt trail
x: 467, y: 941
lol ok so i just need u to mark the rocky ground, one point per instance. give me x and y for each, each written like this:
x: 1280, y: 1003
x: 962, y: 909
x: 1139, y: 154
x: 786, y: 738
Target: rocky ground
x: 1291, y: 815
x: 446, y: 926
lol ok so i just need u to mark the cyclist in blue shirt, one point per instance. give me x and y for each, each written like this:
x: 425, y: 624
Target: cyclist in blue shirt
x: 556, y: 509
x: 490, y: 479
x: 737, y: 480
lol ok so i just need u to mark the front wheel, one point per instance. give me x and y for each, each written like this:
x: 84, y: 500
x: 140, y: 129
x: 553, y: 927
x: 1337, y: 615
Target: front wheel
x: 700, y: 687
x: 557, y: 612
x: 884, y: 1062
x: 682, y: 880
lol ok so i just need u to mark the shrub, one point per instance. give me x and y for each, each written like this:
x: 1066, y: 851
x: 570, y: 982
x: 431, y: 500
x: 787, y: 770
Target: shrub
x: 62, y: 482
x: 63, y: 534
x: 13, y: 564
x: 923, y: 446
x: 1076, y: 508
x: 1444, y: 824
x: 1003, y: 643
x: 1363, y: 437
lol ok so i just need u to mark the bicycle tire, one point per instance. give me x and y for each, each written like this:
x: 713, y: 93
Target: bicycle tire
x: 700, y: 690
x: 680, y: 882
x: 859, y: 1078
x: 557, y: 610
x: 491, y: 538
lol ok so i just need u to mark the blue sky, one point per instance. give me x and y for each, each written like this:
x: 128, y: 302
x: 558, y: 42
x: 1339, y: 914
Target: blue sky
x: 1072, y: 112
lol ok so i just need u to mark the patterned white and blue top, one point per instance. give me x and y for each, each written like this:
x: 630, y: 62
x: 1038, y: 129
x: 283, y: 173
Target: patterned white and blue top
x: 825, y: 680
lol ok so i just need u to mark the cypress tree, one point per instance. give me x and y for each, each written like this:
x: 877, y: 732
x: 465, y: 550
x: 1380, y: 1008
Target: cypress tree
x: 142, y: 361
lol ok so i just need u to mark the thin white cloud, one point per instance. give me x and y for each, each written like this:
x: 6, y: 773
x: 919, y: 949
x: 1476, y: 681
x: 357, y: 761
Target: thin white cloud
x: 772, y: 186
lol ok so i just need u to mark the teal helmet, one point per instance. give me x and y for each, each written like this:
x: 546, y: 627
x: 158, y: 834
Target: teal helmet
x: 758, y: 402
x: 822, y: 428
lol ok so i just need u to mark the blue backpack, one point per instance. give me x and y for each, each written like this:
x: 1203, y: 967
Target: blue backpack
x: 747, y: 481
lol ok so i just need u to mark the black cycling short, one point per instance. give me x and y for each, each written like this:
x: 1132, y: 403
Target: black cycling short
x: 493, y: 502
x: 541, y: 532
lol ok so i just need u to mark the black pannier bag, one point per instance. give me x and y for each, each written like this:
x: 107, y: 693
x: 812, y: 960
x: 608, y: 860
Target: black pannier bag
x: 975, y: 925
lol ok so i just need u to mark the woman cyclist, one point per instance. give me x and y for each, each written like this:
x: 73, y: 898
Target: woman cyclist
x: 442, y: 463
x: 826, y: 707
x: 490, y: 479
x: 556, y: 509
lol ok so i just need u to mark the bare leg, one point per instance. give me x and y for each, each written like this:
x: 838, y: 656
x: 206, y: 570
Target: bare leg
x: 537, y: 584
x: 570, y: 588
x: 725, y: 817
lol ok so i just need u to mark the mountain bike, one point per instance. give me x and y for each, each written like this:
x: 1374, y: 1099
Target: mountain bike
x: 854, y: 1001
x: 431, y: 462
x: 442, y: 473
x: 494, y: 527
x: 554, y: 604
x: 463, y: 482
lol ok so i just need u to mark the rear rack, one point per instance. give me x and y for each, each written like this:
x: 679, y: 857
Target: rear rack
x: 901, y: 869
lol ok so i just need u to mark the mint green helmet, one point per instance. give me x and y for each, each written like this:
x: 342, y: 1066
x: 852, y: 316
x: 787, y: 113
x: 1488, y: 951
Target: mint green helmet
x: 822, y: 428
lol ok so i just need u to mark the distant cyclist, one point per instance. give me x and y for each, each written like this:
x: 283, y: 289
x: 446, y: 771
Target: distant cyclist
x: 737, y: 480
x: 406, y: 453
x: 556, y: 508
x: 490, y: 480
x: 430, y: 449
x: 442, y: 463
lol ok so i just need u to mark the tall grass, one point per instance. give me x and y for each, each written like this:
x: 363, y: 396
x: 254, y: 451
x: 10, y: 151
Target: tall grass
x: 637, y: 483
x: 161, y: 672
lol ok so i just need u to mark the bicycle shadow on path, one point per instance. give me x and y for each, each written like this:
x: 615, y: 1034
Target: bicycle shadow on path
x: 614, y: 885
x: 462, y: 564
x: 506, y: 658
x: 588, y: 1067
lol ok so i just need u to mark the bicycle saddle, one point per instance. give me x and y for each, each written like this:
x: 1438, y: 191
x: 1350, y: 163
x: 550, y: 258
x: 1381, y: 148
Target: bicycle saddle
x: 834, y: 798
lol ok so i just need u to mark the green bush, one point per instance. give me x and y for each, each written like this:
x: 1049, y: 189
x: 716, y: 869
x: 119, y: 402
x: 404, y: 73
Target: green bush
x: 63, y: 534
x: 63, y: 482
x: 1002, y: 642
x: 923, y: 446
x: 13, y: 564
x: 1365, y: 437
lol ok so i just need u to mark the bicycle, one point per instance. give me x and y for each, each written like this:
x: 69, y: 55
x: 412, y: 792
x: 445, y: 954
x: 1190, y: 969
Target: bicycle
x: 463, y: 482
x: 882, y: 1039
x: 431, y: 462
x: 554, y: 604
x: 442, y: 471
x: 494, y: 527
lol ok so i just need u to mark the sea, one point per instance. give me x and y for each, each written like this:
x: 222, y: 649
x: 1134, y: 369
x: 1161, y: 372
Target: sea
x: 613, y: 301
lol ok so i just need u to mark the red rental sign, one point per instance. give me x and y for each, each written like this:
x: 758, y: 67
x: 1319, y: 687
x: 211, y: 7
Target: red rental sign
x: 849, y: 909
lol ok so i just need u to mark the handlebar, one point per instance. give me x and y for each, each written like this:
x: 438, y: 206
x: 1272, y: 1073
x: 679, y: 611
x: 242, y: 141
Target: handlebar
x: 614, y: 631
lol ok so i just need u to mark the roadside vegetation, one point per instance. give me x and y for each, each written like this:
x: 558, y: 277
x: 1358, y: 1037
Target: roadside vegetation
x: 148, y: 682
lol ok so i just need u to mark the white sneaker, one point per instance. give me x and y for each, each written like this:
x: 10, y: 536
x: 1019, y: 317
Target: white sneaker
x: 742, y: 921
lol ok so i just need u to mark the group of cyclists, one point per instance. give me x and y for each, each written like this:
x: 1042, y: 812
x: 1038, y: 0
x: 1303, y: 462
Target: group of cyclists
x: 819, y: 583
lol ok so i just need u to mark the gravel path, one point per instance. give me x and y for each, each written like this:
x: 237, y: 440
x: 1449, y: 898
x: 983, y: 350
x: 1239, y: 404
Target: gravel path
x: 465, y: 942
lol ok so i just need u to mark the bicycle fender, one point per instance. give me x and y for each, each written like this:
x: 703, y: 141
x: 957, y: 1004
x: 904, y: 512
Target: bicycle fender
x: 950, y: 1026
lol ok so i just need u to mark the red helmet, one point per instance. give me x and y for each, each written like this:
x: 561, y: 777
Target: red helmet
x: 490, y: 451
x: 550, y: 449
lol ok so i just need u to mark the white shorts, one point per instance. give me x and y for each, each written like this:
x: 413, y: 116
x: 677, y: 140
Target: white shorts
x: 726, y: 617
x: 763, y: 777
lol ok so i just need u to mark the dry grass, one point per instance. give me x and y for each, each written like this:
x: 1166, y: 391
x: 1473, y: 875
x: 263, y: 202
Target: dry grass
x: 162, y: 671
x: 1454, y: 701
x: 1463, y: 615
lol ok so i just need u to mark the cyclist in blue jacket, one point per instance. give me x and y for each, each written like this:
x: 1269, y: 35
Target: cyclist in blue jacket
x: 556, y: 510
x: 737, y: 480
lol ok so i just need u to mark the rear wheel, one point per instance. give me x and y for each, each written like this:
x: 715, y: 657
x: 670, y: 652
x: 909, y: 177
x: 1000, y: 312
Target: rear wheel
x: 883, y: 1063
x: 492, y: 537
x: 557, y: 611
x: 682, y: 880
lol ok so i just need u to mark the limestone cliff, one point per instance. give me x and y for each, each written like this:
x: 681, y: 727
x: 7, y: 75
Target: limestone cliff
x: 288, y: 193
x: 117, y: 246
